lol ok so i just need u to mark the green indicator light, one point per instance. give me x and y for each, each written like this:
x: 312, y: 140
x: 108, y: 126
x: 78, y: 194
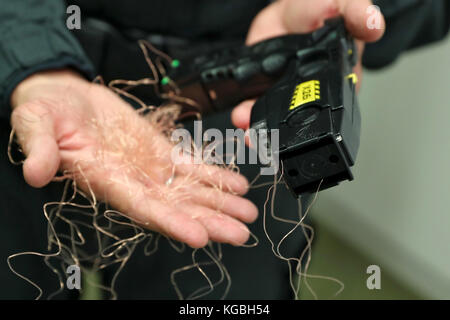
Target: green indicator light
x: 165, y: 81
x: 175, y: 63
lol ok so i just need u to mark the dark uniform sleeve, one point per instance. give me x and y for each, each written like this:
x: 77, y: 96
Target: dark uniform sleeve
x: 34, y: 37
x: 409, y: 24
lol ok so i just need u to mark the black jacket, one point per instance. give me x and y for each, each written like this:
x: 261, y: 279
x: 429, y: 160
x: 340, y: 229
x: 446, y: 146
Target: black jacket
x: 34, y: 36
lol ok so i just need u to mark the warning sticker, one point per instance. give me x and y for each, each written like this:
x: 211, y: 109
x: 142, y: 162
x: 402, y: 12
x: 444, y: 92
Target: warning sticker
x: 304, y: 93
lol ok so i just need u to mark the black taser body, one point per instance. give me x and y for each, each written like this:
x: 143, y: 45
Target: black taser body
x: 314, y: 106
x: 307, y: 91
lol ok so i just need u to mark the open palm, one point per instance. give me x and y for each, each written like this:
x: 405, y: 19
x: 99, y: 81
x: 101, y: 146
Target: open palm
x: 65, y: 123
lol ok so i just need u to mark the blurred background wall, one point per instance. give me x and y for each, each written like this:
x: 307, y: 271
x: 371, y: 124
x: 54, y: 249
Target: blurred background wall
x: 396, y: 214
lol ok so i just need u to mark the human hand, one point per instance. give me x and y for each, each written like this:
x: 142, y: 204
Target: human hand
x: 305, y: 16
x: 65, y: 123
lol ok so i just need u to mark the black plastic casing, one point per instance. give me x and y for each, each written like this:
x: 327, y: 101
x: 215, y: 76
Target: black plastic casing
x: 220, y: 79
x: 319, y: 141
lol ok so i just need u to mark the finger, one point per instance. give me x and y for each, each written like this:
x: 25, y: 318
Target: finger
x: 231, y: 205
x: 174, y: 223
x: 138, y: 202
x: 362, y: 20
x: 215, y: 176
x: 34, y: 126
x: 267, y: 24
x: 304, y: 16
x: 240, y: 116
x: 220, y: 227
x: 187, y: 222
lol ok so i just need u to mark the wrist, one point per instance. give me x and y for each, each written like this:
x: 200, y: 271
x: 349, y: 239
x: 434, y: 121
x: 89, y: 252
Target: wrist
x: 26, y: 89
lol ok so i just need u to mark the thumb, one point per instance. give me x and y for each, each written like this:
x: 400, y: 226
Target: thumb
x: 304, y: 16
x: 34, y: 126
x: 240, y: 116
x: 359, y: 16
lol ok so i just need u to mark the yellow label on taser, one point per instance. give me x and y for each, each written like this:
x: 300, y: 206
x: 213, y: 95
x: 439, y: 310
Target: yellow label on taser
x: 304, y: 93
